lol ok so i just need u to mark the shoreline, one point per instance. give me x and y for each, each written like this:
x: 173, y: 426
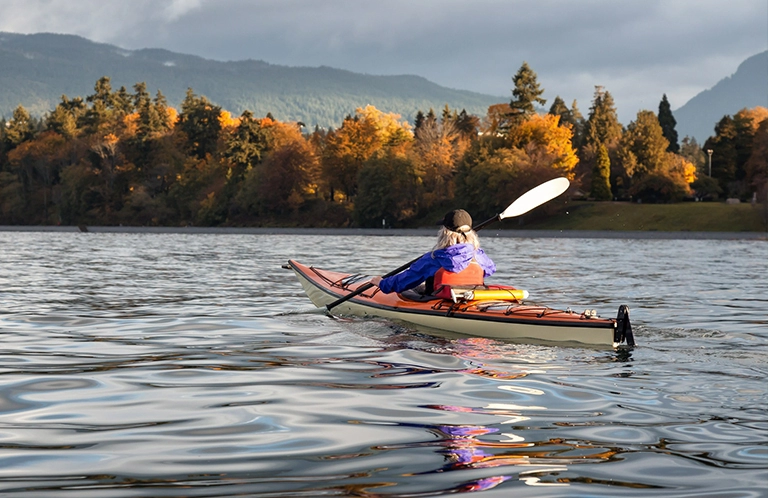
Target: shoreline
x: 397, y: 232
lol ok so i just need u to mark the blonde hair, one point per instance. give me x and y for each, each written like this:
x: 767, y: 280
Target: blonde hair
x: 446, y: 237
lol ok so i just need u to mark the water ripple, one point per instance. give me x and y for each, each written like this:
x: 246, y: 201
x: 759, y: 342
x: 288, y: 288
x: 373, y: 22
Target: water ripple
x: 159, y: 365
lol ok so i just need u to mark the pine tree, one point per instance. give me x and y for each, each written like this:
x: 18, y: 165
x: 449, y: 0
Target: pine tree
x: 601, y: 183
x: 603, y: 125
x: 199, y: 120
x: 19, y: 129
x: 668, y: 122
x: 525, y: 94
x: 559, y: 108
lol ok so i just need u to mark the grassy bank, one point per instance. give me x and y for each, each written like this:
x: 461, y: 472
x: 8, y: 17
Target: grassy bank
x: 685, y: 216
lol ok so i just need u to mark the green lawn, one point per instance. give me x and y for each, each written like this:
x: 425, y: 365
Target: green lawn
x: 684, y: 216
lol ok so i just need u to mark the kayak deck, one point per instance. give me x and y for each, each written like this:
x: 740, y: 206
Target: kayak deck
x: 498, y: 319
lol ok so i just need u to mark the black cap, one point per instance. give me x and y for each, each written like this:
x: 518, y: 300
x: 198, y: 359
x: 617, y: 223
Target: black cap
x: 457, y: 220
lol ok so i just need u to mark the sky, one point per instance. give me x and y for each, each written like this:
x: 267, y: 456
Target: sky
x: 638, y: 50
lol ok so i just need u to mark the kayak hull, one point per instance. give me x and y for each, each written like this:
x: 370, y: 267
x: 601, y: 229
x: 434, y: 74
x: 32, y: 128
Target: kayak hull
x: 510, y: 320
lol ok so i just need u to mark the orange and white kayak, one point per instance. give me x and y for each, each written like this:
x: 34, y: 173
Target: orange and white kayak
x: 496, y: 312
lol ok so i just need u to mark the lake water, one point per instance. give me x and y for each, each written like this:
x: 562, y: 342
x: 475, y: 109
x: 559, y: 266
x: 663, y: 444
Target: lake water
x: 161, y: 365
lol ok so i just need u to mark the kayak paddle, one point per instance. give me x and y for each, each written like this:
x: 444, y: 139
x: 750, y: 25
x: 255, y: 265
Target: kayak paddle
x: 529, y: 200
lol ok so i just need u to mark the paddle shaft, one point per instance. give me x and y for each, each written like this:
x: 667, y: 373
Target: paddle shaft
x: 367, y: 286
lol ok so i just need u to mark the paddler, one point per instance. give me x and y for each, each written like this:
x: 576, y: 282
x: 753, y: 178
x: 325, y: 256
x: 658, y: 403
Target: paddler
x: 456, y: 261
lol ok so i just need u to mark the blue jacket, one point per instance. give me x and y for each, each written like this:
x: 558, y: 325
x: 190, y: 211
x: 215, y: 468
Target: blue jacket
x: 453, y: 258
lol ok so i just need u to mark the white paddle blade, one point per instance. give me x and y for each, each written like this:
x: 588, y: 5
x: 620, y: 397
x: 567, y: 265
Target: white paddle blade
x: 536, y: 197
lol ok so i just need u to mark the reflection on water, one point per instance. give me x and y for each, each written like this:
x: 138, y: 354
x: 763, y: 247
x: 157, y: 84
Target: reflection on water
x: 159, y: 365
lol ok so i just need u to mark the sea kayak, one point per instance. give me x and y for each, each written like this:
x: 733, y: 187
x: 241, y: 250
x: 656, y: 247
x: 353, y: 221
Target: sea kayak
x: 496, y: 312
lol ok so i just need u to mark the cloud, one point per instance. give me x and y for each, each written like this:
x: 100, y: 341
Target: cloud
x: 637, y: 49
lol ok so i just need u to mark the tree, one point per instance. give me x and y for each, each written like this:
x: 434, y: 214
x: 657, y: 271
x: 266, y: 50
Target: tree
x: 19, y: 129
x: 525, y: 93
x: 284, y: 180
x: 65, y: 117
x: 558, y: 108
x: 104, y: 111
x: 643, y: 147
x: 732, y: 148
x: 757, y: 164
x: 199, y: 120
x: 489, y: 176
x: 349, y: 147
x: 668, y: 123
x: 388, y: 191
x: 601, y: 183
x: 693, y: 153
x: 602, y: 126
x: 546, y: 143
x: 38, y: 163
x: 245, y: 146
x: 437, y: 147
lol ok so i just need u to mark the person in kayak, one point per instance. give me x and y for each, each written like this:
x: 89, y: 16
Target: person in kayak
x: 456, y: 260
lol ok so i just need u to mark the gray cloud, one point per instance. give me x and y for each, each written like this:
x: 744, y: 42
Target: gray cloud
x: 636, y: 49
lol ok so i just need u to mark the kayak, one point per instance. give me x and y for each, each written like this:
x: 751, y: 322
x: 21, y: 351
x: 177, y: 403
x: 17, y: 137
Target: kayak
x: 496, y: 312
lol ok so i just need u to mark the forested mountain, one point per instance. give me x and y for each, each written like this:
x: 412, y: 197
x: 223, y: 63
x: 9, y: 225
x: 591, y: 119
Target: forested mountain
x: 35, y: 70
x: 746, y: 88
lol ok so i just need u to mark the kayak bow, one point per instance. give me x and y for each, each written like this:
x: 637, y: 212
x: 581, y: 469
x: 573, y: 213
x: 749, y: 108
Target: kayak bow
x: 496, y: 312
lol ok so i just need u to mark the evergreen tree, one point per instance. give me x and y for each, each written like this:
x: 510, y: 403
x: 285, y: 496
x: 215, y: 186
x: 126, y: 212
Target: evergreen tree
x: 64, y: 118
x: 559, y: 108
x: 643, y: 148
x: 467, y: 125
x: 19, y: 129
x: 668, y: 123
x: 601, y: 183
x: 602, y: 126
x: 199, y: 120
x: 245, y: 146
x: 525, y: 94
x: 102, y: 106
x: 578, y: 125
x: 418, y: 122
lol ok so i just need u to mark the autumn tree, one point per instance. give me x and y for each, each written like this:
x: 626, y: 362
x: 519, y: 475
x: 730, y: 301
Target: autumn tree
x: 437, y: 146
x: 546, y: 143
x: 284, y: 181
x: 37, y: 163
x: 757, y: 164
x: 668, y: 123
x: 347, y: 148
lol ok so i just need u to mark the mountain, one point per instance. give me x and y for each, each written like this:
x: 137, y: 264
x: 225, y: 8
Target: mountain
x: 746, y: 88
x: 36, y: 70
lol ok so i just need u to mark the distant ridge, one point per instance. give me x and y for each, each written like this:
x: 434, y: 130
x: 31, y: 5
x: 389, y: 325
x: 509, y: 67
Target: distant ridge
x: 35, y: 70
x: 746, y: 88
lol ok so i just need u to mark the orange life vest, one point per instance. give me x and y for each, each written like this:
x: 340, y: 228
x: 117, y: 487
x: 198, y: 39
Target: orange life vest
x: 470, y: 276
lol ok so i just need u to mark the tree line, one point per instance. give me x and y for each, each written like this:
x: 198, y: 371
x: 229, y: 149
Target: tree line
x: 127, y: 157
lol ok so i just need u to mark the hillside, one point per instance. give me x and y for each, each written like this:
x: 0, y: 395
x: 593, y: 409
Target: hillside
x: 747, y: 87
x: 35, y: 70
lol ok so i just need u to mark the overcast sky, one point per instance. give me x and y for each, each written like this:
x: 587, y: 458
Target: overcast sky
x: 636, y: 49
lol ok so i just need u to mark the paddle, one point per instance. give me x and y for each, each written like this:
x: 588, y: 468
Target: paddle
x: 529, y: 200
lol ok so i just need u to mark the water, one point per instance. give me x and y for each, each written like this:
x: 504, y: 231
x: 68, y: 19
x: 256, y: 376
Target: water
x: 159, y: 365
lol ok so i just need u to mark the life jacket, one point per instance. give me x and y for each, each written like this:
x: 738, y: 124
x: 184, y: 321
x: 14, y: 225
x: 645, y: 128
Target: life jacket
x: 471, y: 276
